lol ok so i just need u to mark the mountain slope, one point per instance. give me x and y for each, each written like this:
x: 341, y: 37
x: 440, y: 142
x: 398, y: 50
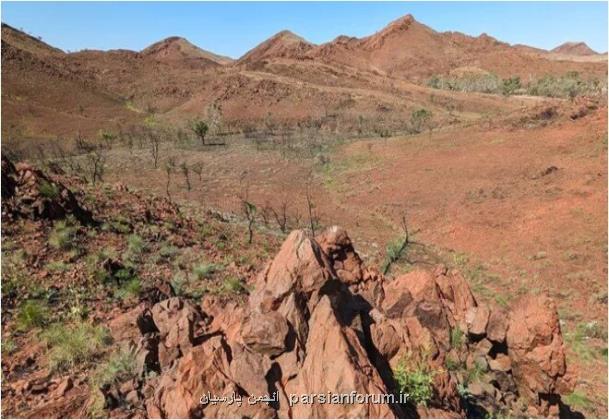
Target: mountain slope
x: 23, y: 41
x: 381, y: 77
x: 177, y: 48
x: 574, y: 48
x: 284, y: 44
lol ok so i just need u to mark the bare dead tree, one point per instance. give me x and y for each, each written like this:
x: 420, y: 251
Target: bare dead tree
x: 265, y: 214
x: 248, y: 208
x: 97, y: 162
x: 313, y: 219
x: 95, y: 156
x: 281, y: 216
x: 169, y: 167
x: 197, y: 168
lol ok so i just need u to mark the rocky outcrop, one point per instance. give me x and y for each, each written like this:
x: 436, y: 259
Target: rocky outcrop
x: 28, y: 192
x: 322, y: 335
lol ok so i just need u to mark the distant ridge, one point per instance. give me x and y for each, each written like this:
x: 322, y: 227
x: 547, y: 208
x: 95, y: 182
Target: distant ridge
x: 574, y: 48
x: 175, y: 48
x: 282, y: 44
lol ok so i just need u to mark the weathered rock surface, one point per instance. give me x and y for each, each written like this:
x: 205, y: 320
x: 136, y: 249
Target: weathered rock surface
x: 319, y: 322
x: 536, y: 349
x: 28, y: 192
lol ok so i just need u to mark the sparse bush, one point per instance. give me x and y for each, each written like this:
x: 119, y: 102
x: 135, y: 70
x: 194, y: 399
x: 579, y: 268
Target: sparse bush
x: 396, y: 248
x: 568, y: 86
x: 510, y: 86
x: 202, y: 271
x: 135, y: 247
x: 48, y: 190
x: 63, y: 235
x: 178, y: 283
x: 57, y: 266
x: 451, y: 364
x: 119, y: 225
x: 474, y: 373
x: 420, y: 119
x: 32, y: 313
x: 119, y: 367
x: 457, y: 338
x: 95, y: 157
x: 72, y: 344
x: 469, y: 82
x: 578, y: 400
x: 393, y: 253
x: 414, y: 379
x: 130, y: 287
x: 8, y: 346
x: 233, y: 285
x: 168, y: 251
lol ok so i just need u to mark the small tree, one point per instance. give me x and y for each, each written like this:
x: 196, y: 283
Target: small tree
x: 95, y: 157
x: 281, y: 216
x: 200, y: 128
x: 420, y: 119
x: 250, y: 211
x: 154, y: 145
x: 510, y: 86
x: 197, y: 168
x: 107, y: 137
x: 186, y: 173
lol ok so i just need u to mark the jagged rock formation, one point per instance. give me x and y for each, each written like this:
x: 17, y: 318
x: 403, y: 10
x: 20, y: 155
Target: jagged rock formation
x: 319, y: 322
x: 28, y: 192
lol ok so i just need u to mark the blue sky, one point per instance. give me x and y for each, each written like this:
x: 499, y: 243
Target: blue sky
x: 234, y: 28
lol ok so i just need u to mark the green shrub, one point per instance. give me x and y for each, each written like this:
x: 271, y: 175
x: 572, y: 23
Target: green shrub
x: 420, y: 119
x: 168, y: 251
x: 202, y: 271
x: 72, y: 344
x: 63, y: 235
x: 232, y: 285
x: 119, y: 225
x: 135, y: 245
x: 475, y: 373
x: 569, y: 85
x: 457, y: 338
x: 178, y: 283
x: 451, y: 364
x: 119, y: 367
x: 131, y: 288
x: 577, y: 400
x: 470, y: 82
x: 48, y: 190
x: 394, y: 252
x: 32, y: 313
x: 8, y: 346
x: 57, y: 266
x: 510, y: 86
x: 414, y: 379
